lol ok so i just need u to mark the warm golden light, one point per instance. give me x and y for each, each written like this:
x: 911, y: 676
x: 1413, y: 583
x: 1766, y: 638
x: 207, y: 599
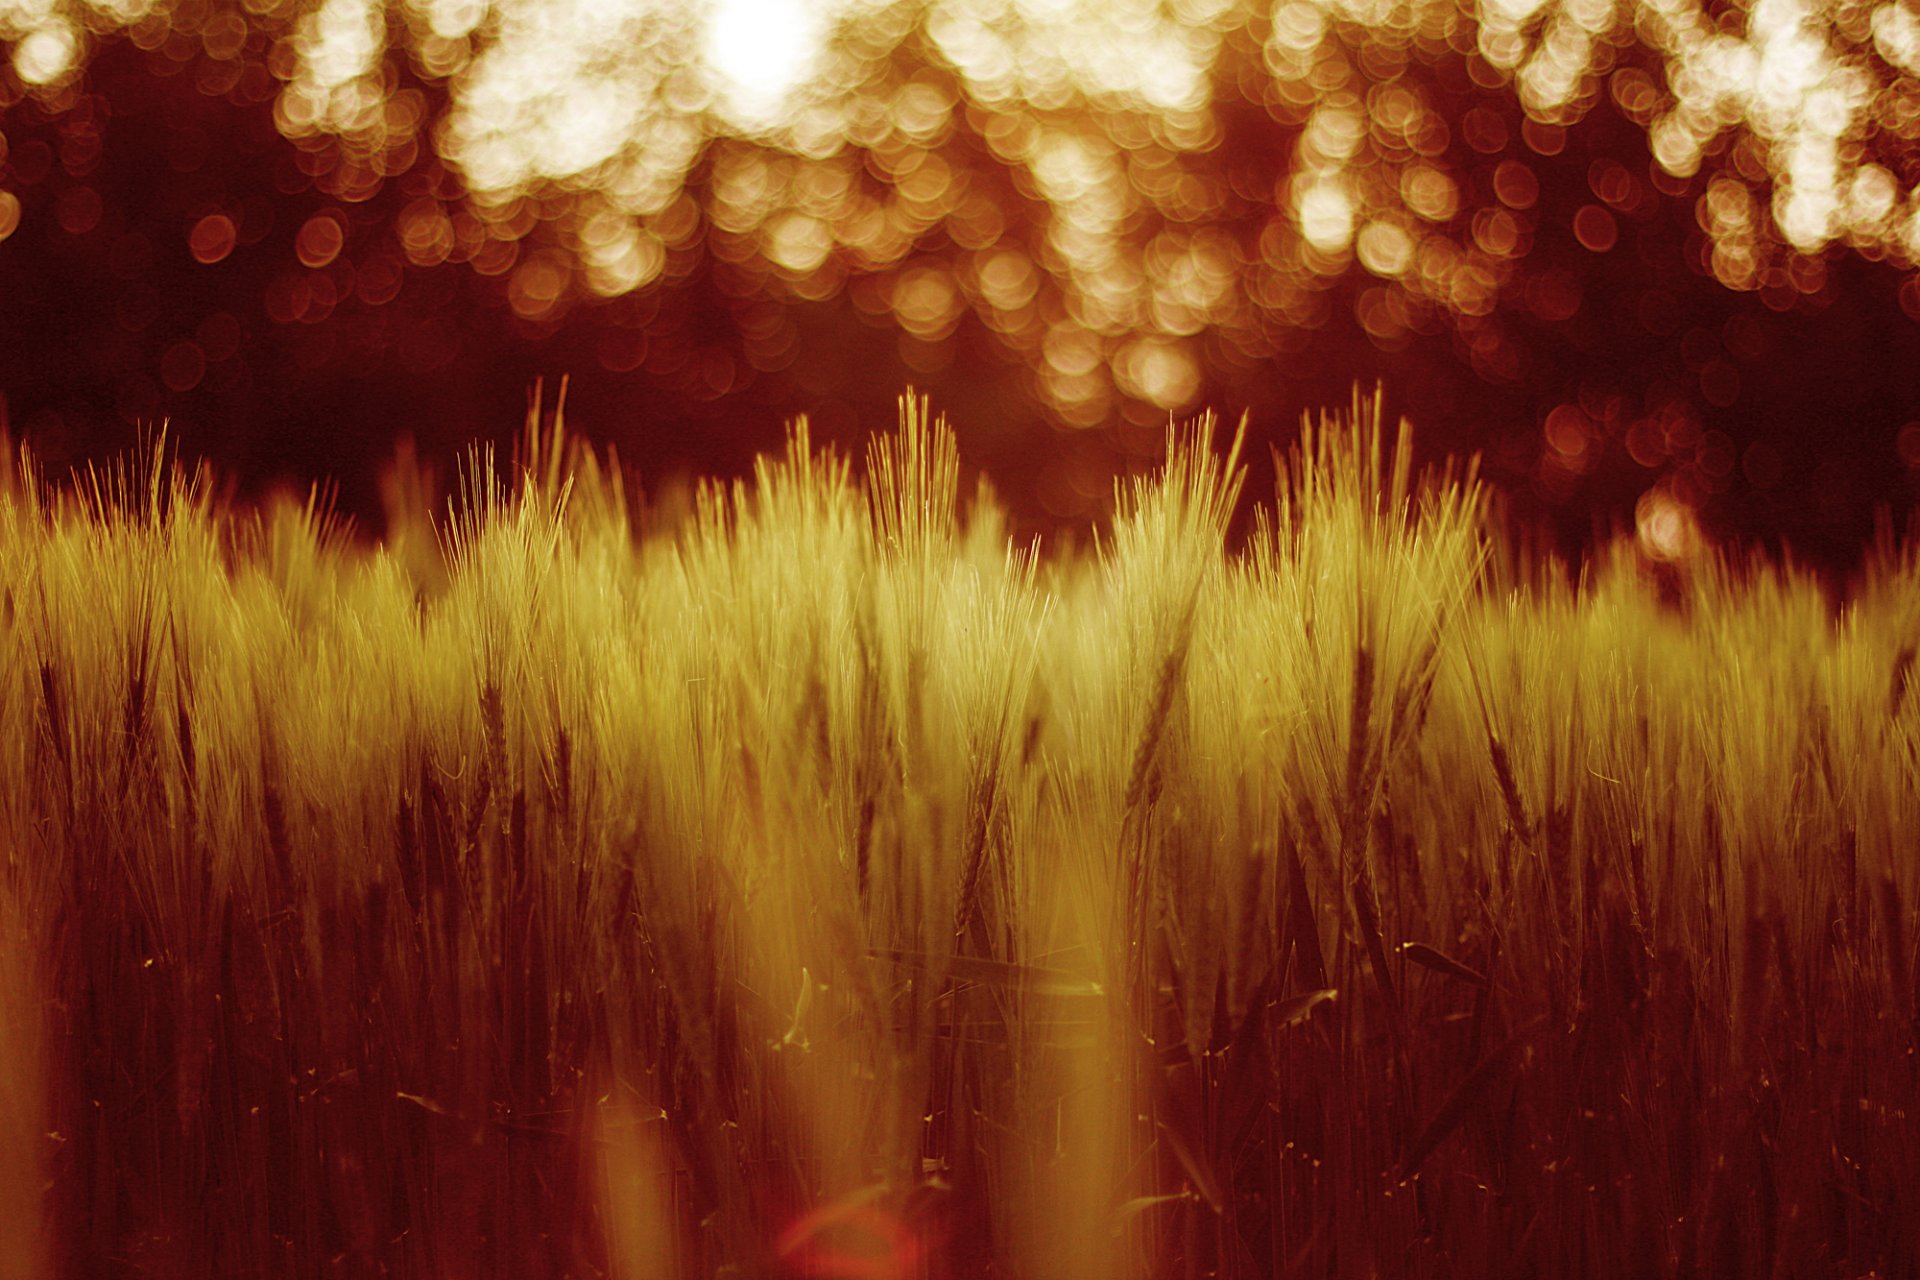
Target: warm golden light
x: 574, y: 127
x: 825, y: 886
x: 760, y: 51
x: 1666, y: 527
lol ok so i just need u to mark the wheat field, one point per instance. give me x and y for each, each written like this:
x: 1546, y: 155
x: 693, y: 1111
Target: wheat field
x: 820, y: 885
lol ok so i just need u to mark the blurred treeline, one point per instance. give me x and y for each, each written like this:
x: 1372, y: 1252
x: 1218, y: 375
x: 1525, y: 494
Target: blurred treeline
x: 197, y: 224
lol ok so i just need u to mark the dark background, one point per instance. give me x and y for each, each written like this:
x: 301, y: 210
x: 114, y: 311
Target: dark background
x: 1777, y: 413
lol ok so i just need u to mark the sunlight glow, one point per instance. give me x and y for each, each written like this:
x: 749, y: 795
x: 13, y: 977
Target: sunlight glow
x: 573, y: 126
x: 46, y: 54
x: 1666, y: 527
x: 1326, y: 217
x: 762, y: 50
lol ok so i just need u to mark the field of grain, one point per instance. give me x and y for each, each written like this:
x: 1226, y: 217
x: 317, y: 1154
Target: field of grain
x: 820, y: 886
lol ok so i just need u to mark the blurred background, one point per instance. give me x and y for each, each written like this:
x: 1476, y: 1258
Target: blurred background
x: 1654, y: 259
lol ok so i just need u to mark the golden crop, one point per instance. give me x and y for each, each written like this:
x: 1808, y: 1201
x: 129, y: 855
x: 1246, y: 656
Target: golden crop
x: 823, y: 887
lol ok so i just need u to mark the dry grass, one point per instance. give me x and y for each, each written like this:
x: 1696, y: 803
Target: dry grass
x: 821, y: 887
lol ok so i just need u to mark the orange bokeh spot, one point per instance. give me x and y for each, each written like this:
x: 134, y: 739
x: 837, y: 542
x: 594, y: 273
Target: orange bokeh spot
x: 1666, y: 526
x: 536, y: 286
x: 212, y: 238
x: 1516, y: 185
x: 1568, y: 430
x: 1594, y: 227
x: 320, y: 240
